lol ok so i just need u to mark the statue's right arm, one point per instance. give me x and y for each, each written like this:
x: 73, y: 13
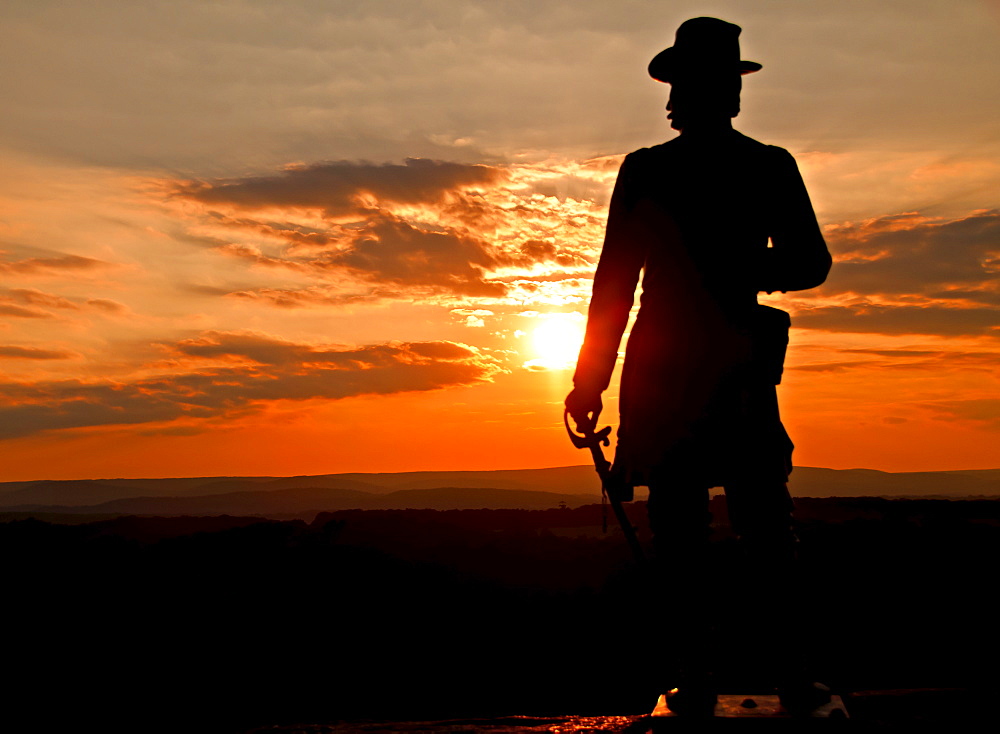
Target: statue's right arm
x: 622, y: 259
x: 799, y: 258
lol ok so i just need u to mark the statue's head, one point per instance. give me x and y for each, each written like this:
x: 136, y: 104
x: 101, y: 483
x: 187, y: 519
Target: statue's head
x: 704, y: 71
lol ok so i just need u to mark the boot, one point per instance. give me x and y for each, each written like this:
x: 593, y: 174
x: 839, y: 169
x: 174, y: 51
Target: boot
x: 690, y: 685
x: 802, y: 697
x: 695, y: 696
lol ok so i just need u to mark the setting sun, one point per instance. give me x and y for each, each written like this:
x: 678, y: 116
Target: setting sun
x: 556, y: 341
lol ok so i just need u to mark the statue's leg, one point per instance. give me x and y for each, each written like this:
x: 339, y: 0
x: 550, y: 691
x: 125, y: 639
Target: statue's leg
x: 680, y: 521
x: 761, y: 516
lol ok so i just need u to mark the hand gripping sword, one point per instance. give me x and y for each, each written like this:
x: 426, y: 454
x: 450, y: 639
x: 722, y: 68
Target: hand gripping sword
x: 613, y: 491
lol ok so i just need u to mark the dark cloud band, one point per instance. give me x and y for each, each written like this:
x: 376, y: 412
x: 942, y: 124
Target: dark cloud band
x: 335, y: 187
x: 244, y: 371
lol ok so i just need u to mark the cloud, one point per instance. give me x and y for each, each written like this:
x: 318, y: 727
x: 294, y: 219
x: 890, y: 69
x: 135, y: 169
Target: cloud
x: 539, y: 251
x: 421, y: 229
x: 300, y: 298
x: 391, y: 250
x: 932, y: 360
x: 29, y: 303
x: 15, y: 352
x: 343, y: 187
x: 829, y: 366
x: 9, y: 309
x: 909, y: 274
x: 375, y: 78
x: 956, y: 260
x: 874, y: 318
x: 38, y: 298
x: 380, y: 247
x: 36, y: 265
x: 244, y: 371
x: 473, y: 318
x: 984, y: 412
x: 394, y: 256
x: 107, y: 305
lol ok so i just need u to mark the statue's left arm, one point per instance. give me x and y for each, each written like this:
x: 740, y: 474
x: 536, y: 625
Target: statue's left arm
x: 621, y: 261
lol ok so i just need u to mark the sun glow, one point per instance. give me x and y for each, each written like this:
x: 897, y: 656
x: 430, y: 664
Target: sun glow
x: 556, y: 341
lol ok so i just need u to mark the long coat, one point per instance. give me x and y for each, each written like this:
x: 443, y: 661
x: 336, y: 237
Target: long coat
x: 711, y: 221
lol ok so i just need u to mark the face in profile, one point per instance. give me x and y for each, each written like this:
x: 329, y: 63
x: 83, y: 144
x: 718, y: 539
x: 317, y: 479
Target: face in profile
x: 704, y: 99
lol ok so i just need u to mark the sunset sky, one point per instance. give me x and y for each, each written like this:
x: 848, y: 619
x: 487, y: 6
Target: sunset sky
x: 302, y: 237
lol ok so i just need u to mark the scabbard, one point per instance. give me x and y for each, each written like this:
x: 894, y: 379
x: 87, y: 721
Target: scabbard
x: 613, y: 491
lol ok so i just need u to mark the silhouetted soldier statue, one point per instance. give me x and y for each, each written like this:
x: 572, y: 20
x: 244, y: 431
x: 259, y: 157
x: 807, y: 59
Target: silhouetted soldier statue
x: 711, y: 218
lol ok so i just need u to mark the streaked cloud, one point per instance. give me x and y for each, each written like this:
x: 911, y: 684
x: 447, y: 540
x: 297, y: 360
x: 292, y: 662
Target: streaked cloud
x: 956, y: 259
x: 982, y: 412
x: 291, y: 298
x: 44, y: 265
x: 34, y: 301
x: 236, y: 372
x: 864, y: 315
x: 421, y: 229
x: 940, y: 361
x: 909, y: 274
x: 343, y: 187
x: 20, y: 352
x: 38, y: 298
x: 21, y: 312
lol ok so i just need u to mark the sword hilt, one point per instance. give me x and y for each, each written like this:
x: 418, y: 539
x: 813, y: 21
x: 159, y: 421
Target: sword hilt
x: 613, y: 492
x: 587, y: 440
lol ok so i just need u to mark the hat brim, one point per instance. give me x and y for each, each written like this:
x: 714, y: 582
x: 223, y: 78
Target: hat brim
x: 665, y: 65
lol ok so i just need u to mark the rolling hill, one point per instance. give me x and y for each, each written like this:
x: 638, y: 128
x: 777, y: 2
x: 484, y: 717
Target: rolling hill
x: 282, y: 497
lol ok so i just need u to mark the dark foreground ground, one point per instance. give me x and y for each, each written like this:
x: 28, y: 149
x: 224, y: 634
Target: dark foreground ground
x: 399, y: 617
x: 883, y: 710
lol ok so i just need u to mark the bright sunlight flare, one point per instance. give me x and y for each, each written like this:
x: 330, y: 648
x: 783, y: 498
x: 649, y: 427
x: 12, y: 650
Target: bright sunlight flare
x: 556, y: 341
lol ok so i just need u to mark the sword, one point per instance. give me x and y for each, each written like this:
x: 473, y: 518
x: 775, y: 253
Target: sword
x: 614, y: 493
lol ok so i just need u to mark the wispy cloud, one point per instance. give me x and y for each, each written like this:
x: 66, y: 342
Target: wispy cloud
x: 421, y: 229
x: 58, y: 263
x: 19, y: 352
x: 938, y: 361
x: 232, y: 373
x: 343, y: 187
x: 909, y: 274
x: 867, y: 316
x: 31, y: 303
x: 984, y: 413
x: 21, y: 312
x: 956, y: 260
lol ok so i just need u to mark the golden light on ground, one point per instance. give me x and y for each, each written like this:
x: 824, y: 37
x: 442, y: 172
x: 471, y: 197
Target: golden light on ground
x: 555, y: 342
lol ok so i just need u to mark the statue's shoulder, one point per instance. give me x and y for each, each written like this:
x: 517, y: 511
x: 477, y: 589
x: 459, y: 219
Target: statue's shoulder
x: 679, y: 147
x: 667, y: 148
x: 770, y: 159
x: 758, y: 148
x: 639, y: 156
x: 655, y: 156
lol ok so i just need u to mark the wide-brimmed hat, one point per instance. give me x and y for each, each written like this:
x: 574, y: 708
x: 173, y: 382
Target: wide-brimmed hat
x: 702, y: 46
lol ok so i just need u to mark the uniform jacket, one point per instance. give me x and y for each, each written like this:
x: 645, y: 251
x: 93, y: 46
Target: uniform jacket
x: 709, y: 222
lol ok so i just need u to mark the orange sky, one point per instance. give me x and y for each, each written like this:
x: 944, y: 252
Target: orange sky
x: 339, y: 238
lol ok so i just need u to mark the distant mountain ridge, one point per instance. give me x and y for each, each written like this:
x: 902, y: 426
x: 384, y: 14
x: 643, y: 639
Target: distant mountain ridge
x: 562, y: 480
x: 283, y: 503
x: 501, y: 489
